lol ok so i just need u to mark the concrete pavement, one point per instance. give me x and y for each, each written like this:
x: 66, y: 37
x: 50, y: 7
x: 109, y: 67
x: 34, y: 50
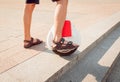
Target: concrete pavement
x: 83, y: 15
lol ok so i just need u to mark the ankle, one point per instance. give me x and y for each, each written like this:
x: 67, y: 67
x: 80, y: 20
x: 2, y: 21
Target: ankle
x: 57, y: 39
x: 27, y: 38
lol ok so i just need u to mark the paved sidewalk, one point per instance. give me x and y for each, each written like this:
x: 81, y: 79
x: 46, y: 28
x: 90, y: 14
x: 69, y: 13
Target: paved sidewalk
x: 12, y: 53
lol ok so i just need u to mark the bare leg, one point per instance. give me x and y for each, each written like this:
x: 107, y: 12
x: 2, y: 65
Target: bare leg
x: 28, y: 40
x: 59, y: 18
x: 27, y: 20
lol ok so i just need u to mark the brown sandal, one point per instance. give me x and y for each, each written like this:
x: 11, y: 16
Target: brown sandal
x: 64, y: 48
x: 30, y: 43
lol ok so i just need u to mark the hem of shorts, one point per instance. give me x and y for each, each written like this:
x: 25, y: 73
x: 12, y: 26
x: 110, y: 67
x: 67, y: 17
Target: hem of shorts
x: 32, y: 3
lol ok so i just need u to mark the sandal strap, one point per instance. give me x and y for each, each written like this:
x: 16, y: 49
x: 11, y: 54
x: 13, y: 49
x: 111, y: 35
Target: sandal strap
x: 69, y: 43
x: 62, y: 44
x: 62, y: 40
x: 29, y: 40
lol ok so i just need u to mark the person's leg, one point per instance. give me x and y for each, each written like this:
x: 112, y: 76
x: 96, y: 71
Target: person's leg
x: 27, y: 20
x: 59, y: 18
x: 60, y: 45
x: 28, y: 40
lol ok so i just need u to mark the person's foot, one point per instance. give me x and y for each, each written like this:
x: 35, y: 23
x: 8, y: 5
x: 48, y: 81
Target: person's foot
x: 32, y: 42
x: 64, y: 48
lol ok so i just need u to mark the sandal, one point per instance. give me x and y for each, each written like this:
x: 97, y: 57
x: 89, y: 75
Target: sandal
x: 64, y: 48
x: 30, y: 43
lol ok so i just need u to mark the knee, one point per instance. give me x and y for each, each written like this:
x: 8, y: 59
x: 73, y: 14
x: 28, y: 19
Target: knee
x: 29, y: 7
x: 63, y: 3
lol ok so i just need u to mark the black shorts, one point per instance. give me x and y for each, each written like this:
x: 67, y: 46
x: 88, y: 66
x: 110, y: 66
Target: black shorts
x: 32, y: 1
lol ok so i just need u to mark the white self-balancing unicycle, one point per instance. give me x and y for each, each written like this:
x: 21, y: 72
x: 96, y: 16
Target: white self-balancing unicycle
x: 69, y: 33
